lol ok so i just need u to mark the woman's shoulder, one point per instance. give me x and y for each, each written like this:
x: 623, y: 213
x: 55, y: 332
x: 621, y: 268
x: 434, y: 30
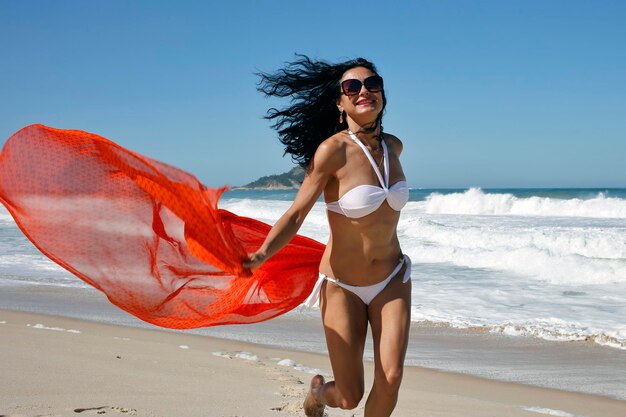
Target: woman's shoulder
x: 335, y: 145
x: 331, y: 153
x: 393, y: 142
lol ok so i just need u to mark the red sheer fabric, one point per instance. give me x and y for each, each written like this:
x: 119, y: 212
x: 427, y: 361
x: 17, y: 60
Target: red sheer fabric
x: 148, y: 235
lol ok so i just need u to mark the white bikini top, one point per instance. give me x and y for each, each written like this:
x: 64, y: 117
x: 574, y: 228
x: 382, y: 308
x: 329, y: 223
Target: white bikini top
x: 366, y: 199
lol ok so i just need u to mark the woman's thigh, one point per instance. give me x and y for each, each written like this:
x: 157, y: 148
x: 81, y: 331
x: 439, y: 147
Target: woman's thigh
x: 390, y: 318
x: 344, y: 316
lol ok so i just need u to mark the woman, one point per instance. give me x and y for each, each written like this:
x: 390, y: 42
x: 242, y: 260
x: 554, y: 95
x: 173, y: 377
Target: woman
x: 334, y: 129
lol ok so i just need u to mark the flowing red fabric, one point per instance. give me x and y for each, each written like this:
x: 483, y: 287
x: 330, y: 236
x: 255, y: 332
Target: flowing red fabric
x: 150, y: 236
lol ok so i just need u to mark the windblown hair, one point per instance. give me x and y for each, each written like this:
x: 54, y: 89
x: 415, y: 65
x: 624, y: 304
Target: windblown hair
x: 312, y: 117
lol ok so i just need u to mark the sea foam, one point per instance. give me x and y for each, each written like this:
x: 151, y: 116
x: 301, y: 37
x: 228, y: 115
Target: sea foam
x: 476, y: 202
x: 571, y: 253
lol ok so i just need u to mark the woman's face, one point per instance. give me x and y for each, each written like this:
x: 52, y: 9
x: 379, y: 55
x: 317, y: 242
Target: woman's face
x: 364, y: 106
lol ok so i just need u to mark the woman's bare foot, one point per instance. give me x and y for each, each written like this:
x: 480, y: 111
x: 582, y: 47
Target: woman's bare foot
x: 313, y: 405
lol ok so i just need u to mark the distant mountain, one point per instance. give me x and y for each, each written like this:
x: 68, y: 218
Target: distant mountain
x: 285, y: 181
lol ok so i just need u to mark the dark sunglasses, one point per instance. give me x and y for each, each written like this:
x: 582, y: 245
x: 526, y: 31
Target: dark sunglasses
x: 352, y: 87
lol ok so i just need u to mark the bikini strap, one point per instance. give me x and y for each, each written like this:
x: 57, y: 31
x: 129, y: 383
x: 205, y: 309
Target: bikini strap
x: 383, y: 182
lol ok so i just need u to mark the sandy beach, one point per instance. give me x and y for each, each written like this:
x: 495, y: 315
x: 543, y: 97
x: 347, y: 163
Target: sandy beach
x: 56, y: 366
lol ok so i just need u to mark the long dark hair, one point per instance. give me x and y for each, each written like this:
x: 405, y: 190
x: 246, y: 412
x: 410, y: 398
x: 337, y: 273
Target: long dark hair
x: 312, y: 117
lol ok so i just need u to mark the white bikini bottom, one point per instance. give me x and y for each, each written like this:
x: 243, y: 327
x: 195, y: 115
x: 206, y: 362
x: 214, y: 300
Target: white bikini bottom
x: 366, y: 293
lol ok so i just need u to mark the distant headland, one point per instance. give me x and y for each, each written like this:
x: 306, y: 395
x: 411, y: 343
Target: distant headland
x: 290, y: 180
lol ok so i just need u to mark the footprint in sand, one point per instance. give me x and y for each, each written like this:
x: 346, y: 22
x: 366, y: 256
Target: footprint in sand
x: 106, y: 410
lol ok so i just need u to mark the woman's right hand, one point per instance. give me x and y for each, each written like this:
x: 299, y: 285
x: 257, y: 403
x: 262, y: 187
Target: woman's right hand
x: 255, y: 260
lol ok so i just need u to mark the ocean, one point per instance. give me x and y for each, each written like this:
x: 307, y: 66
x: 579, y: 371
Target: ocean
x: 546, y: 263
x: 500, y: 267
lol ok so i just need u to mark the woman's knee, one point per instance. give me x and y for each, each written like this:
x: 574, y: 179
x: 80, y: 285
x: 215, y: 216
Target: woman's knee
x: 350, y: 399
x: 390, y: 380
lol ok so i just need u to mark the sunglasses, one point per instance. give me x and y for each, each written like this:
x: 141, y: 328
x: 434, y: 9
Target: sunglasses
x: 352, y: 87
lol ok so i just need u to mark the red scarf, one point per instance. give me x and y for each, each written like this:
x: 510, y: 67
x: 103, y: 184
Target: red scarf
x: 147, y: 234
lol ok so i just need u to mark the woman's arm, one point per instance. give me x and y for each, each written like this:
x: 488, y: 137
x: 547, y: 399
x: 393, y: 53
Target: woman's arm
x: 323, y: 167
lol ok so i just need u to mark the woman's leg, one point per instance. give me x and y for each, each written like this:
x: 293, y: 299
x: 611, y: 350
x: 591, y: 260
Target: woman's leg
x: 390, y: 318
x: 344, y: 316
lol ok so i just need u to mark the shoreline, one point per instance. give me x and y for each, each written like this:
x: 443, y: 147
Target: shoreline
x: 64, y: 364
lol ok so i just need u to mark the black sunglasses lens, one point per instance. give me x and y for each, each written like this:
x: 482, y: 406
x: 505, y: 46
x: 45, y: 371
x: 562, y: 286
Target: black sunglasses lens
x: 374, y: 84
x: 351, y: 87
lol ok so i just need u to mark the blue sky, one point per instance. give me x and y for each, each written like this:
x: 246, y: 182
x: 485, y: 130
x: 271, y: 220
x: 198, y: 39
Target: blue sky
x: 483, y: 93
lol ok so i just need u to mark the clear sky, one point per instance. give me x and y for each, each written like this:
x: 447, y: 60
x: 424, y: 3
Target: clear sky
x: 483, y: 93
